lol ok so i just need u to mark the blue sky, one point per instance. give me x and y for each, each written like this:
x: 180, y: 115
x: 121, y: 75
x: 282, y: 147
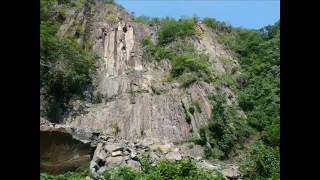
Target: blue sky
x: 252, y: 14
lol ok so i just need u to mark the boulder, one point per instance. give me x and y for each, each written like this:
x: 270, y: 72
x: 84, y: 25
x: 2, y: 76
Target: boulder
x: 113, y: 147
x: 133, y: 154
x: 116, y: 153
x: 173, y: 156
x: 134, y: 164
x: 114, y: 161
x: 231, y: 173
x: 208, y: 166
x: 163, y: 148
x: 153, y: 157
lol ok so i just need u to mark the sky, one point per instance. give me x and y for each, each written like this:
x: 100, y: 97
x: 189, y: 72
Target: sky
x: 252, y: 14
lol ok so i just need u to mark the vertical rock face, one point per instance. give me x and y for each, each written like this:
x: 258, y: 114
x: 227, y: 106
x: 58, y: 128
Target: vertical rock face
x: 137, y: 100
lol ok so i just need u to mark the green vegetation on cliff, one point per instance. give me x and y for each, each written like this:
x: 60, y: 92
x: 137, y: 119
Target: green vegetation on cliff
x: 257, y: 90
x: 258, y: 93
x: 171, y: 170
x: 188, y: 64
x: 65, y: 67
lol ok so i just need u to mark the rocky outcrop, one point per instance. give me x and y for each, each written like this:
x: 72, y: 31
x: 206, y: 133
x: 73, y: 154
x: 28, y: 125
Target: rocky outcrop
x: 64, y: 148
x: 112, y: 152
x: 139, y: 110
x: 136, y: 99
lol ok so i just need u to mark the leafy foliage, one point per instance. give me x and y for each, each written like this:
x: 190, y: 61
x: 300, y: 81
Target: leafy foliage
x: 188, y: 68
x: 188, y: 64
x: 170, y: 170
x: 217, y: 25
x: 109, y: 1
x: 225, y: 130
x: 65, y: 68
x: 184, y: 169
x: 262, y: 163
x: 155, y: 51
x: 259, y: 94
x: 65, y: 176
x: 172, y: 30
x: 147, y: 20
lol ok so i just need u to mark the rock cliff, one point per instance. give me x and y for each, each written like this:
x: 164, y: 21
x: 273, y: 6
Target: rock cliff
x: 136, y: 103
x: 135, y: 97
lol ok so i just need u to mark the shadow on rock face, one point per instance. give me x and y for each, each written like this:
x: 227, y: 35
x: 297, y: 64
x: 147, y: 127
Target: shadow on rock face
x: 60, y: 152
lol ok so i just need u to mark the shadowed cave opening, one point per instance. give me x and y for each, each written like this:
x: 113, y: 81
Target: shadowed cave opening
x: 60, y: 152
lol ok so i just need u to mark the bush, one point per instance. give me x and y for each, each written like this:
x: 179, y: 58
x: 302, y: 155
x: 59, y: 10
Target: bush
x: 147, y: 20
x: 188, y: 65
x: 197, y: 105
x: 123, y: 172
x: 191, y: 110
x: 65, y: 69
x: 172, y: 30
x: 111, y: 18
x: 188, y: 118
x: 271, y: 135
x: 217, y: 25
x: 65, y: 176
x: 109, y: 1
x: 194, y: 66
x: 262, y: 162
x: 225, y: 130
x: 154, y: 51
x: 183, y: 169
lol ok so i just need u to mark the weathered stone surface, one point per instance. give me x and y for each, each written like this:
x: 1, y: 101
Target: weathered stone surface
x: 153, y: 157
x: 61, y: 149
x: 208, y: 166
x: 147, y: 142
x: 114, y: 161
x: 116, y: 153
x: 134, y: 164
x: 173, y: 156
x: 102, y: 170
x: 163, y: 148
x: 138, y: 104
x: 133, y: 154
x: 113, y: 147
x: 231, y: 173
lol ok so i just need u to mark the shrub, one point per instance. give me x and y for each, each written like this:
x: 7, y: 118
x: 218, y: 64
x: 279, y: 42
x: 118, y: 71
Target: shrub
x: 122, y: 172
x: 225, y: 130
x: 217, y: 25
x: 65, y: 67
x: 111, y: 18
x: 109, y: 1
x: 188, y: 118
x: 197, y: 105
x: 187, y: 79
x: 188, y: 65
x: 172, y: 30
x: 147, y: 20
x: 271, y: 135
x: 154, y: 51
x: 66, y: 176
x: 191, y: 110
x: 190, y: 146
x: 183, y: 169
x: 197, y: 64
x: 262, y: 162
